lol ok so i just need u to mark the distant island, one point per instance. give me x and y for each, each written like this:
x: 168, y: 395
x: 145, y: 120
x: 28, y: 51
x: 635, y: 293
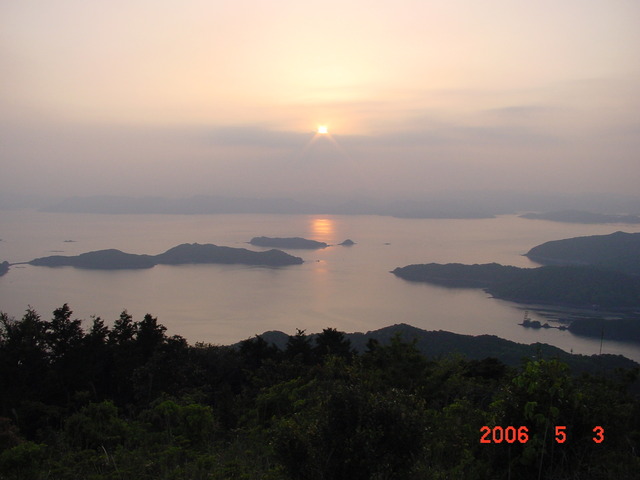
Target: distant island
x: 182, y: 254
x: 580, y: 216
x: 576, y: 286
x: 347, y: 243
x: 618, y: 251
x: 290, y: 242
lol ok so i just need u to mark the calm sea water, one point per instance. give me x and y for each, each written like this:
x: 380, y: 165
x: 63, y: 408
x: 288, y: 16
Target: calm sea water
x: 349, y: 288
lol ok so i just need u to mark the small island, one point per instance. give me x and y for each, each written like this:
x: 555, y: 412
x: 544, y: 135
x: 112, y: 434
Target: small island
x: 182, y: 254
x: 4, y: 268
x: 347, y: 243
x: 618, y: 251
x: 290, y: 242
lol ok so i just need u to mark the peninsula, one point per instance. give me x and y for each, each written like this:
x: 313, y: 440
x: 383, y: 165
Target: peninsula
x: 618, y: 251
x: 290, y: 242
x: 182, y: 254
x: 576, y: 286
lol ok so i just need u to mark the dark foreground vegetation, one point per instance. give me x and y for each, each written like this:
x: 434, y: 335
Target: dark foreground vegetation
x: 128, y: 402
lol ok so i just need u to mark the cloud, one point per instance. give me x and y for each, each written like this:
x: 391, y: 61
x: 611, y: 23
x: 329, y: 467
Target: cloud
x: 253, y: 136
x: 443, y: 135
x: 519, y: 111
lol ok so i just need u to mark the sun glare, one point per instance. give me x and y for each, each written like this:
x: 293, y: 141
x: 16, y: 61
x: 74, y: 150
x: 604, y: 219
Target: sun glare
x: 322, y: 130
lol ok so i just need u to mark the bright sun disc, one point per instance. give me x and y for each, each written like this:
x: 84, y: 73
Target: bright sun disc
x: 322, y: 129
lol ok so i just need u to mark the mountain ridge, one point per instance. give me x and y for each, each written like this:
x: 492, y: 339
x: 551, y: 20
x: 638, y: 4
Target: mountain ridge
x: 436, y: 344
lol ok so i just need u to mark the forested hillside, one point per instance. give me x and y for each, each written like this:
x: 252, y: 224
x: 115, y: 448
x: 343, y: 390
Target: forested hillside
x: 128, y: 402
x: 618, y: 251
x: 581, y: 286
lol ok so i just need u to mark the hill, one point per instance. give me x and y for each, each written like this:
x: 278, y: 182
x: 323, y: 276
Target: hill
x: 209, y: 253
x: 438, y: 344
x: 618, y: 251
x: 110, y: 259
x: 182, y: 254
x: 625, y: 329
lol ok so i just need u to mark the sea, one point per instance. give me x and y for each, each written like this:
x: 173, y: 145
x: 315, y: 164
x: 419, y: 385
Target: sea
x: 349, y: 288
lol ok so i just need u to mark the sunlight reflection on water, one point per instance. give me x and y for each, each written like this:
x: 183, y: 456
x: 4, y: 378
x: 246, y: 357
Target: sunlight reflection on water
x: 349, y: 288
x: 323, y: 230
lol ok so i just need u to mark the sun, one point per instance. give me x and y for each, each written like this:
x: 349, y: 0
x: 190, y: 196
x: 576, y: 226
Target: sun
x: 323, y: 130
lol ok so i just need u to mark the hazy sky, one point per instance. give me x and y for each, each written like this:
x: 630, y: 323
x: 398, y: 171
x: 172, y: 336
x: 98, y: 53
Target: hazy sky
x: 187, y: 97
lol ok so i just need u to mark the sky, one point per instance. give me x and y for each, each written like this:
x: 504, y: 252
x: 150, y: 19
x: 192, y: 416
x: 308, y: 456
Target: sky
x: 179, y: 98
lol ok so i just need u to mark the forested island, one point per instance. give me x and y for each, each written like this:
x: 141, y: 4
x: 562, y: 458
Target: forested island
x: 112, y: 259
x: 618, y: 251
x: 580, y: 216
x: 127, y: 401
x: 289, y: 242
x: 578, y: 286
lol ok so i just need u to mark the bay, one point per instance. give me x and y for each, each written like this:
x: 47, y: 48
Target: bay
x: 348, y: 288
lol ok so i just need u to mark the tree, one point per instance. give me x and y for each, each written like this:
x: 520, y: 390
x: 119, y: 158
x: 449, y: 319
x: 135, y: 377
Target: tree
x: 332, y: 342
x: 150, y: 335
x: 23, y: 359
x: 98, y: 333
x: 124, y: 329
x: 560, y: 412
x: 96, y: 425
x: 299, y: 348
x: 345, y: 430
x: 65, y: 342
x: 255, y: 351
x: 399, y: 364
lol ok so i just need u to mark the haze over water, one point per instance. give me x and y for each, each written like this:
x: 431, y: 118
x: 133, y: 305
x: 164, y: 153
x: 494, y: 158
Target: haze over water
x: 349, y: 288
x: 178, y: 98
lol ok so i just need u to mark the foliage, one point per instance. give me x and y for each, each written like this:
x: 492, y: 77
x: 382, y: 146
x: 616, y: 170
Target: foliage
x: 127, y: 401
